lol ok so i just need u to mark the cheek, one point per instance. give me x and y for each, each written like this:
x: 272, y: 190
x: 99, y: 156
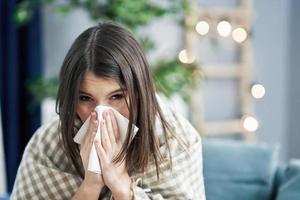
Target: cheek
x: 83, y: 112
x: 125, y: 112
x: 123, y: 109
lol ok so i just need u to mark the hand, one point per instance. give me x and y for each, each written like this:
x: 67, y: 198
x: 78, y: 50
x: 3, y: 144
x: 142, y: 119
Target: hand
x: 92, y: 180
x: 115, y: 175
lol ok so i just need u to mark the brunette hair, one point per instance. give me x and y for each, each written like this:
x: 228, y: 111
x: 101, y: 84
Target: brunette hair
x: 108, y: 50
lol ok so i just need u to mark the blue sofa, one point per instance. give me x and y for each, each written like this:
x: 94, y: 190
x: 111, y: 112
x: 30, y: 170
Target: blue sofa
x: 238, y: 171
x: 5, y: 197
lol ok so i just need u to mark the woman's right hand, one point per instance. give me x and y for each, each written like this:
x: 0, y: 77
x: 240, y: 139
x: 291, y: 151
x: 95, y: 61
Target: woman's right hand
x: 91, y: 179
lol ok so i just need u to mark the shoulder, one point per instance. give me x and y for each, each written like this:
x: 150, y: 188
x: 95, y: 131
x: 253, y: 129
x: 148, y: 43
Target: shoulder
x: 46, y: 148
x: 182, y: 157
x: 180, y: 127
x: 45, y: 168
x: 45, y: 135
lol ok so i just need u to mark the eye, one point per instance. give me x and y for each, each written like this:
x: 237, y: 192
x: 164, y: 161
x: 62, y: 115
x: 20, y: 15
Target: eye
x: 117, y: 97
x: 84, y: 98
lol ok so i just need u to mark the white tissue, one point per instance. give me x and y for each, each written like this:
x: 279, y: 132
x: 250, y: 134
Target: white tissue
x: 94, y: 164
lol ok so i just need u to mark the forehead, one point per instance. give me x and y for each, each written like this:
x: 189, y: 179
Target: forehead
x: 92, y: 83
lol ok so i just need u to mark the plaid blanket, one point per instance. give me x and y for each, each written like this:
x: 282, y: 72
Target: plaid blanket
x: 45, y: 172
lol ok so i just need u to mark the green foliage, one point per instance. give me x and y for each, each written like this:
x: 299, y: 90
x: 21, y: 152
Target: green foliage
x: 174, y: 77
x: 41, y: 88
x: 23, y: 13
x: 131, y: 13
x: 135, y: 13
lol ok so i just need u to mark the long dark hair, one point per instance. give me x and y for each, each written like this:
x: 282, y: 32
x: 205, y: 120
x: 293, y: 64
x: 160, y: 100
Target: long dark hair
x: 108, y: 50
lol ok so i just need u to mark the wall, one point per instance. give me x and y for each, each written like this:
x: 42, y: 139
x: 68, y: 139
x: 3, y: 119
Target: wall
x: 293, y: 89
x: 271, y: 33
x: 59, y: 33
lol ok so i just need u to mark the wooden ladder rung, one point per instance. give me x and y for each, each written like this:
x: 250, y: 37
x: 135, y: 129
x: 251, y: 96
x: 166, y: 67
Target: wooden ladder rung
x: 221, y: 71
x: 226, y: 127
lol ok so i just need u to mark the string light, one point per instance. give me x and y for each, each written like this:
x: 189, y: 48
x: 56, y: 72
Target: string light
x: 202, y: 27
x: 185, y: 57
x: 258, y: 91
x: 250, y: 123
x: 239, y: 35
x: 224, y: 28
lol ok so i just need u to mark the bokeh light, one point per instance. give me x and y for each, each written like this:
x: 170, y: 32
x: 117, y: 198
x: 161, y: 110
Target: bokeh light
x: 202, y: 27
x: 185, y: 57
x: 258, y: 91
x: 239, y: 35
x: 250, y: 123
x: 224, y: 28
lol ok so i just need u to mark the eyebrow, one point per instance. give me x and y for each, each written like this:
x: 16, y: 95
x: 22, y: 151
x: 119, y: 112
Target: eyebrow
x: 114, y: 91
x: 117, y: 90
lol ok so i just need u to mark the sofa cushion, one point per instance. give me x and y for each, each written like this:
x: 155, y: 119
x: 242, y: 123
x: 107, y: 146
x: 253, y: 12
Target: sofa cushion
x: 4, y: 197
x: 235, y: 170
x: 290, y: 186
x: 279, y: 174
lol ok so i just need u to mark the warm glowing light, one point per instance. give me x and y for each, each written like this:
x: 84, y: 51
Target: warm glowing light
x: 224, y: 28
x: 185, y: 57
x: 258, y: 91
x: 202, y: 27
x: 250, y: 123
x: 239, y: 35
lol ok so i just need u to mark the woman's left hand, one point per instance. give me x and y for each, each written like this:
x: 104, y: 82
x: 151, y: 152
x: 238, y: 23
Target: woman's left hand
x: 115, y: 175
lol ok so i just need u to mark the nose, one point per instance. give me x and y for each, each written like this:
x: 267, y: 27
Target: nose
x: 101, y: 103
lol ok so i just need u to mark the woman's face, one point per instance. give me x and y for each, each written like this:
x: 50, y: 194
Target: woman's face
x: 96, y: 91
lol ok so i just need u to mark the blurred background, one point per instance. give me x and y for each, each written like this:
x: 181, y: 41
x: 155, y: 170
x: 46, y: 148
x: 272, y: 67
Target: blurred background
x: 230, y: 67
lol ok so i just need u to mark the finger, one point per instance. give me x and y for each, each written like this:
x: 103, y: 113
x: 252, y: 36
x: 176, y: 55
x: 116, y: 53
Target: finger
x: 104, y: 136
x: 88, y: 141
x: 85, y: 152
x: 100, y: 151
x: 110, y: 130
x: 93, y: 125
x: 115, y: 126
x: 86, y: 149
x: 94, y: 120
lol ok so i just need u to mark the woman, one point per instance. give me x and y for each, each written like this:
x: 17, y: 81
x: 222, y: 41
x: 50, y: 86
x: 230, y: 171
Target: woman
x: 106, y: 66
